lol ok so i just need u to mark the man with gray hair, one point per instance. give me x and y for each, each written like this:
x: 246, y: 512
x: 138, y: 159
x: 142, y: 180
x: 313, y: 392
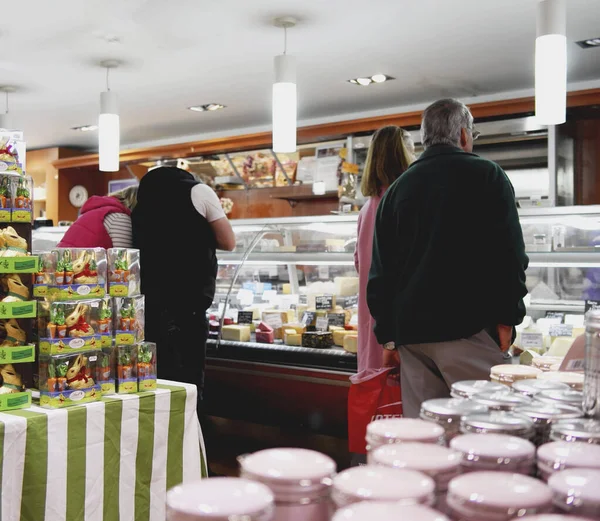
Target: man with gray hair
x: 447, y: 278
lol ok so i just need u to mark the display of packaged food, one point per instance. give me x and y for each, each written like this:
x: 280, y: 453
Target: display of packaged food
x: 317, y: 339
x: 147, y: 366
x: 123, y: 272
x: 127, y: 360
x: 106, y: 370
x: 128, y: 319
x: 13, y: 393
x: 68, y: 379
x: 105, y: 322
x: 265, y: 334
x: 16, y: 202
x: 78, y: 274
x: 573, y: 380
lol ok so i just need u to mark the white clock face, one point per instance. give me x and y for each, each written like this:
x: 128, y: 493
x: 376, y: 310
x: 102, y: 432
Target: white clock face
x: 78, y: 196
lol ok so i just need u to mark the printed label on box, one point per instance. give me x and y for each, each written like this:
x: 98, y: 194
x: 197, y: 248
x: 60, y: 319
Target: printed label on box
x: 15, y: 401
x: 17, y: 310
x: 55, y: 346
x: 19, y: 265
x: 17, y: 355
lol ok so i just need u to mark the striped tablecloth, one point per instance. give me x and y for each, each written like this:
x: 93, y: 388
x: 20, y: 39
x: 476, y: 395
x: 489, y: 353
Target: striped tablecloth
x: 112, y: 460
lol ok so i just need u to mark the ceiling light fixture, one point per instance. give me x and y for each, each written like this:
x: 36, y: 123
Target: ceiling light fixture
x: 209, y: 107
x: 363, y: 81
x: 85, y: 128
x: 109, y: 125
x: 589, y: 43
x: 285, y: 99
x: 5, y: 119
x: 551, y: 63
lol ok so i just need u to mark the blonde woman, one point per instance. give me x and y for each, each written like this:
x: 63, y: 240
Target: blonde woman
x: 104, y: 221
x: 390, y: 154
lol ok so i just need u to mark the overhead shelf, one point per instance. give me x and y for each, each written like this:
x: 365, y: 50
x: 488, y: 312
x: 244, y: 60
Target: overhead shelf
x: 281, y: 258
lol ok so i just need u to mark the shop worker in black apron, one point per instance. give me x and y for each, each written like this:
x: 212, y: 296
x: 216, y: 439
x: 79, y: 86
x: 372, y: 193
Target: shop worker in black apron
x: 178, y: 224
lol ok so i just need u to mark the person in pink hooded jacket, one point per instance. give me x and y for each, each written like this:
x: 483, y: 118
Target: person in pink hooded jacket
x: 390, y: 154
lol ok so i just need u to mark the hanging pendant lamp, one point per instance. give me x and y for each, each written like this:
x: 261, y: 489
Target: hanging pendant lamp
x: 108, y: 125
x: 551, y: 63
x: 284, y: 96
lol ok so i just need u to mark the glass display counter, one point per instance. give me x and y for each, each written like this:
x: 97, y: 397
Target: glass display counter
x: 302, y: 270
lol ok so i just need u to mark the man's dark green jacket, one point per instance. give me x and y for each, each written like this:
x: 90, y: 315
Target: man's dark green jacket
x: 448, y: 252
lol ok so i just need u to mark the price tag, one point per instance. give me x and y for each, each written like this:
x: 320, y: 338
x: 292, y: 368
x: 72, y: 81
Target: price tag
x: 324, y: 272
x: 324, y: 302
x: 322, y: 324
x: 555, y: 314
x: 350, y: 302
x: 561, y: 330
x: 308, y: 318
x: 244, y: 317
x: 273, y: 320
x: 532, y: 340
x: 592, y: 305
x: 336, y: 319
x: 303, y: 299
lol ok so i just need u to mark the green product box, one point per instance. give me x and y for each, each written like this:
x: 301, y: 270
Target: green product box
x: 9, y: 402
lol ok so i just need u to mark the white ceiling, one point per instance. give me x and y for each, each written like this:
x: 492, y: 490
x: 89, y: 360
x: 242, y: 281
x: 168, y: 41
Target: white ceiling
x: 184, y: 52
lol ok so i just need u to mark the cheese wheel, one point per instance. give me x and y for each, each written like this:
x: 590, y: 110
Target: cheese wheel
x: 351, y: 343
x: 340, y: 334
x: 235, y: 332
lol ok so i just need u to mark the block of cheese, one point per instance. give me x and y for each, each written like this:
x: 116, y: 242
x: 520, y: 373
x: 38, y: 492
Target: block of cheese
x: 296, y: 326
x: 351, y: 343
x: 286, y: 288
x: 339, y: 335
x: 560, y: 346
x: 236, y: 332
x: 336, y: 328
x: 265, y: 337
x: 346, y: 286
x: 255, y: 312
x: 319, y: 339
x: 264, y: 327
x: 292, y: 338
x: 287, y: 315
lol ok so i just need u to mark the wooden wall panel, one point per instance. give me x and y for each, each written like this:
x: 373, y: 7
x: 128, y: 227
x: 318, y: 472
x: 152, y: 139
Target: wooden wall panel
x: 587, y: 161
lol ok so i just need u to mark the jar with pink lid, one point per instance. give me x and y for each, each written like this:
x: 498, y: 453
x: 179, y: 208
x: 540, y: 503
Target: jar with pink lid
x: 577, y: 492
x: 447, y: 412
x: 534, y: 386
x: 439, y: 463
x: 501, y: 400
x: 498, y: 422
x: 496, y: 496
x: 501, y: 452
x: 386, y: 511
x: 543, y: 415
x: 560, y: 455
x: 300, y: 480
x: 467, y: 388
x: 555, y: 517
x: 211, y: 500
x: 375, y: 483
x: 398, y: 430
x: 584, y: 430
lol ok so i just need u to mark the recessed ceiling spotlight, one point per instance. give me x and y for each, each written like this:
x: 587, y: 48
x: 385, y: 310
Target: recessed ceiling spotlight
x: 208, y: 107
x: 85, y: 128
x: 363, y: 81
x: 587, y: 44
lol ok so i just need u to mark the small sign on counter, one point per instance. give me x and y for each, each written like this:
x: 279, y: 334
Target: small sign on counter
x: 273, y: 319
x: 350, y: 302
x: 561, y: 330
x: 322, y: 324
x: 532, y: 340
x: 324, y: 302
x: 336, y: 319
x: 308, y: 318
x: 244, y: 317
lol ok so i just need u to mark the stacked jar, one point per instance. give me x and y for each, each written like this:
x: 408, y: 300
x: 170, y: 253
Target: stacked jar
x: 498, y: 422
x: 583, y: 430
x: 447, y: 412
x: 560, y: 396
x: 508, y: 374
x: 535, y: 386
x: 501, y: 400
x: 561, y: 455
x: 577, y: 492
x: 384, y: 511
x: 468, y: 388
x: 399, y: 430
x: 573, y: 380
x: 300, y: 480
x: 543, y: 415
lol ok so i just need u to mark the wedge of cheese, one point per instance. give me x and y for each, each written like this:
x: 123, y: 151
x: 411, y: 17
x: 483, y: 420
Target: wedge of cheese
x: 351, y: 343
x: 340, y: 334
x: 235, y: 332
x: 292, y: 338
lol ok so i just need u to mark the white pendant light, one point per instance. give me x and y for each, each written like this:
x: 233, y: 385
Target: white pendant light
x: 551, y: 63
x: 284, y: 96
x: 5, y: 118
x: 108, y: 125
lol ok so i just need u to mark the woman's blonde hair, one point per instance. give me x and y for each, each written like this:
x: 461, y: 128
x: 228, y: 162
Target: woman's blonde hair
x: 390, y: 154
x: 127, y: 197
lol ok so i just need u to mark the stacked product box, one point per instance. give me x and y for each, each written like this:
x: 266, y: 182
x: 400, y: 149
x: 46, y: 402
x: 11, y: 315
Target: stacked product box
x: 17, y: 307
x: 91, y: 343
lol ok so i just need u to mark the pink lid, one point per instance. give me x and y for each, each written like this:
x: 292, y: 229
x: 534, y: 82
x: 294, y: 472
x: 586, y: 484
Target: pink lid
x: 217, y: 499
x: 385, y: 511
x: 556, y: 517
x: 577, y: 488
x: 288, y: 465
x: 493, y: 445
x: 424, y: 457
x: 499, y: 493
x: 558, y: 455
x: 403, y: 429
x: 376, y: 483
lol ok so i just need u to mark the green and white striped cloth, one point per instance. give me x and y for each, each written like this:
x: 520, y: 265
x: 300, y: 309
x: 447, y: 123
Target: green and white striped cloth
x: 112, y: 460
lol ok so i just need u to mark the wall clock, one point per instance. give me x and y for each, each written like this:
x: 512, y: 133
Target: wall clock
x: 78, y: 196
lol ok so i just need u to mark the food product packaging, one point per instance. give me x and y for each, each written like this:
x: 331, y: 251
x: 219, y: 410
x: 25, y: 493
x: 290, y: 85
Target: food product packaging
x: 128, y: 319
x: 123, y: 272
x: 127, y: 359
x: 147, y: 366
x: 82, y: 272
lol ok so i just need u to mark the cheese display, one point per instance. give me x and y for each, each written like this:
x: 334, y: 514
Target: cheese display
x: 351, y: 343
x: 340, y: 334
x: 318, y: 339
x: 292, y: 338
x: 296, y: 327
x: 235, y: 332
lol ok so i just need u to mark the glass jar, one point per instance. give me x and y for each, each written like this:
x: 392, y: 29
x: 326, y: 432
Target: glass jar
x: 560, y: 455
x: 467, y: 388
x: 398, y: 430
x: 299, y: 478
x: 545, y: 363
x: 585, y: 430
x: 501, y: 400
x: 497, y: 496
x: 495, y: 452
x: 211, y: 500
x: 508, y: 374
x: 556, y: 517
x: 439, y: 463
x: 385, y: 511
x: 375, y: 483
x: 577, y: 492
x: 534, y: 386
x: 591, y: 391
x: 573, y: 380
x: 447, y: 412
x: 563, y: 397
x: 543, y: 415
x: 498, y: 422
